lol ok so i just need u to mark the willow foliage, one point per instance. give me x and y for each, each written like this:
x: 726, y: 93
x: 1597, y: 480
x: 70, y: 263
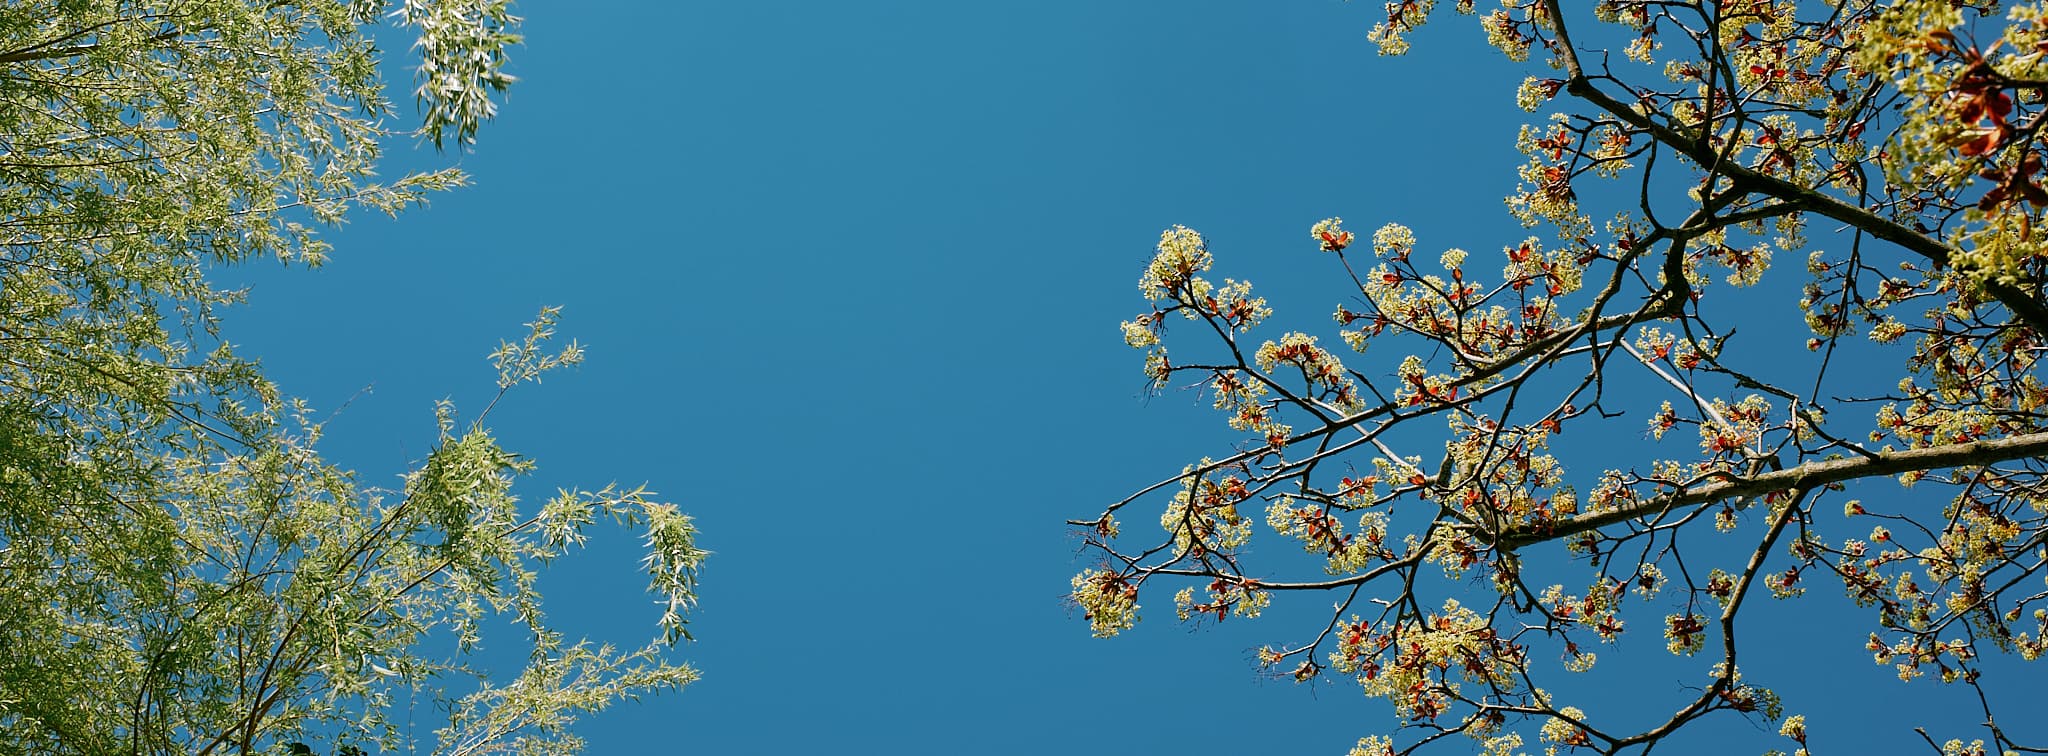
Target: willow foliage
x: 180, y: 570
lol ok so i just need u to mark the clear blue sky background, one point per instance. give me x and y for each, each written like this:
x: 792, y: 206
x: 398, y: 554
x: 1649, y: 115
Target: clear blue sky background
x: 849, y: 275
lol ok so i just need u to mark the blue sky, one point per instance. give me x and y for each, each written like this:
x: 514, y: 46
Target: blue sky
x: 850, y: 274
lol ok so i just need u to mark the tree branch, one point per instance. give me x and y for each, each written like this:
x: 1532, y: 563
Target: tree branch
x: 2028, y: 309
x: 1807, y: 476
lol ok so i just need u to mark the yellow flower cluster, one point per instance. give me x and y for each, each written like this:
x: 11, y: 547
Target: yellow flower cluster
x: 1563, y: 731
x: 1182, y: 254
x: 1241, y: 598
x: 1501, y: 475
x: 1599, y: 609
x: 1393, y: 240
x: 1546, y: 193
x: 1744, y: 697
x: 1420, y: 665
x: 1557, y: 273
x: 1330, y: 235
x: 1142, y: 332
x: 1887, y: 331
x: 1745, y: 266
x: 1736, y: 429
x: 1321, y: 532
x: 1505, y: 34
x: 1170, y: 281
x: 1960, y: 406
x: 1501, y: 745
x: 1686, y: 633
x: 1403, y: 16
x: 1108, y: 600
x: 1375, y: 745
x: 1243, y: 399
x: 1203, y: 517
x: 1946, y: 69
x: 1956, y: 747
x: 1325, y: 374
x: 1794, y: 728
x: 1533, y: 92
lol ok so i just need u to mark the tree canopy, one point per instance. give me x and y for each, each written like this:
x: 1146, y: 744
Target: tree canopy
x: 1596, y: 437
x: 180, y: 569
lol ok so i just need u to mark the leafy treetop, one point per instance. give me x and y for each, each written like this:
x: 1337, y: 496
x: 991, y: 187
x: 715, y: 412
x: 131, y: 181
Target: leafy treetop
x: 180, y: 571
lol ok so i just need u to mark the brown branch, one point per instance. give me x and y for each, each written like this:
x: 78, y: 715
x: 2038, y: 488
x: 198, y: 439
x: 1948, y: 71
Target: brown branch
x: 49, y: 50
x: 1722, y: 682
x: 2029, y: 309
x: 1807, y: 476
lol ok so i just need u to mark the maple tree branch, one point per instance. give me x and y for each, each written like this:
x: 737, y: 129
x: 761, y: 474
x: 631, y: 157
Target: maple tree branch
x: 1807, y: 476
x: 2027, y: 308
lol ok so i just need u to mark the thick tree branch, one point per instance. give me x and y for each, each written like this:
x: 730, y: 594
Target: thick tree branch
x: 2026, y: 307
x: 1807, y: 476
x: 55, y: 48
